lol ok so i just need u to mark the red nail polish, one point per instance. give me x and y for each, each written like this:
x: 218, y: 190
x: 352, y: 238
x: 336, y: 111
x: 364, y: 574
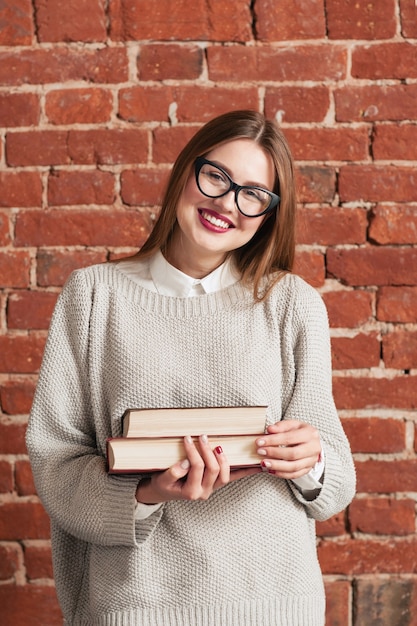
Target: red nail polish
x: 219, y: 450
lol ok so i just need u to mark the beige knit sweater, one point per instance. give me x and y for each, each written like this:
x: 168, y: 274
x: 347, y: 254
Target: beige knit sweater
x: 247, y: 555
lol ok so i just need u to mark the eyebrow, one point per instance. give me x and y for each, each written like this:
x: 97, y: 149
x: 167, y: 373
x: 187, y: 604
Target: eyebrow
x: 229, y: 173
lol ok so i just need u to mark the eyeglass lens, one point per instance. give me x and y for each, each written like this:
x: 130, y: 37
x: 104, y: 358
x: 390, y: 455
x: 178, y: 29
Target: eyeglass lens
x: 213, y: 182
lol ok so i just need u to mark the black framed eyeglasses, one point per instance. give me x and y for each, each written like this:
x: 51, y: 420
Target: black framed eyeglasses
x: 214, y: 182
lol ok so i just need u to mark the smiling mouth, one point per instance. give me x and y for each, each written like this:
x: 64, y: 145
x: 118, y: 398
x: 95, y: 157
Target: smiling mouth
x: 216, y: 221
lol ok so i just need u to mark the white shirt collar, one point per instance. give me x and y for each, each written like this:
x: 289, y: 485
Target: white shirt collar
x: 169, y: 281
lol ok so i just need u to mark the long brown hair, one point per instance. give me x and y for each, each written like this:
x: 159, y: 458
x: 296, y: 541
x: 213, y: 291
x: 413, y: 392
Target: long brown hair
x: 270, y: 252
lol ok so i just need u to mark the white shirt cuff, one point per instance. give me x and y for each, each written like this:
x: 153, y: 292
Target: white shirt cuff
x: 311, y: 481
x: 143, y: 511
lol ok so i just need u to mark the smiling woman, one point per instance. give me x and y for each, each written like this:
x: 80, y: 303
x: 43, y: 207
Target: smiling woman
x: 206, y: 314
x: 210, y: 227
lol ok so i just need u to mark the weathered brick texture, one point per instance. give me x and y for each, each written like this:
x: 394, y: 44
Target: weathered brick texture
x: 96, y: 100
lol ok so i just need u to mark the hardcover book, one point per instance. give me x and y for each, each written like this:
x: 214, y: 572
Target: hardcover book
x: 135, y: 455
x: 179, y: 422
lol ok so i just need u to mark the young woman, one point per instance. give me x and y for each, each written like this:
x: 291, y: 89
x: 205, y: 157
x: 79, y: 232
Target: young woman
x: 208, y: 313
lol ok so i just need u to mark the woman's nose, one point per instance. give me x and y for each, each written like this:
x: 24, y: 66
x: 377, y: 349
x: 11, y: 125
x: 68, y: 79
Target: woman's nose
x: 228, y: 201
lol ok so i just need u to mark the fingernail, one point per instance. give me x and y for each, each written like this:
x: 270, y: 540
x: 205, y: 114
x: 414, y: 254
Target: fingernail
x: 218, y: 450
x: 185, y: 464
x: 262, y: 452
x: 261, y: 442
x: 204, y: 438
x: 189, y: 439
x: 266, y: 463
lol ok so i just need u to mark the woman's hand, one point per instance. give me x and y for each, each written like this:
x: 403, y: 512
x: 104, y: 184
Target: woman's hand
x: 195, y: 478
x: 290, y: 448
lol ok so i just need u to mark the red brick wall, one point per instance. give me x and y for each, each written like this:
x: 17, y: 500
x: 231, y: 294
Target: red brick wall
x: 96, y: 99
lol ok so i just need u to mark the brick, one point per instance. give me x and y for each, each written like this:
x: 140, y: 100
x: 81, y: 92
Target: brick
x: 361, y: 19
x: 296, y: 63
x: 297, y: 104
x: 82, y: 228
x: 372, y: 393
x: 338, y: 595
x: 21, y: 354
x: 168, y: 142
x: 328, y: 144
x: 79, y: 106
x: 62, y: 64
x: 310, y: 266
x: 357, y: 352
x: 170, y: 61
x: 35, y: 147
x: 9, y: 561
x: 315, y: 183
x: 331, y: 226
x: 6, y: 480
x: 389, y: 183
x: 145, y: 104
x: 54, y: 266
x: 396, y: 142
x: 408, y: 18
x: 372, y: 103
x: 382, y: 516
x: 348, y: 309
x: 16, y: 396
x: 275, y: 23
x: 12, y: 440
x: 200, y: 104
x: 391, y: 476
x: 20, y: 189
x: 38, y: 562
x: 5, y: 229
x: 16, y: 23
x: 373, y: 266
x: 23, y: 520
x: 19, y: 109
x: 385, y: 602
x: 29, y: 604
x: 78, y: 20
x: 399, y: 349
x: 355, y: 557
x: 397, y: 304
x: 387, y: 60
x: 25, y: 485
x: 14, y: 268
x: 332, y: 527
x: 75, y: 187
x: 393, y: 224
x: 30, y: 309
x: 108, y: 146
x: 375, y: 435
x: 165, y: 20
x: 143, y: 187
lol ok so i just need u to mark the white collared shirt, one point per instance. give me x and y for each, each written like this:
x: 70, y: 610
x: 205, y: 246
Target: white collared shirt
x: 159, y: 276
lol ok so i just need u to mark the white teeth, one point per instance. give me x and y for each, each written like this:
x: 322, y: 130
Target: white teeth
x: 215, y: 220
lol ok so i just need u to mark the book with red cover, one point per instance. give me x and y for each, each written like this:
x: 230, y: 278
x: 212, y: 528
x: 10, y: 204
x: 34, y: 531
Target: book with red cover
x: 135, y: 455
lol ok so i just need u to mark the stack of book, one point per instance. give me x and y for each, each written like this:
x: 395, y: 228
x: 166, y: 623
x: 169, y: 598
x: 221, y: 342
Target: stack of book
x: 153, y: 439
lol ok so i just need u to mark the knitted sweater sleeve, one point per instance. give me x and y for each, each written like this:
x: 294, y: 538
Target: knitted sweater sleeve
x: 311, y: 401
x: 68, y: 468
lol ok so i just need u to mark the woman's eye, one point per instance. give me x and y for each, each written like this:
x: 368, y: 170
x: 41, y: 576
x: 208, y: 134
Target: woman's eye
x: 215, y: 177
x: 253, y: 194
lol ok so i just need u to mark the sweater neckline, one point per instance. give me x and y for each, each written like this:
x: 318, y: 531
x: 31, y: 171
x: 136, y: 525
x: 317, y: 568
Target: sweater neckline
x: 171, y: 306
